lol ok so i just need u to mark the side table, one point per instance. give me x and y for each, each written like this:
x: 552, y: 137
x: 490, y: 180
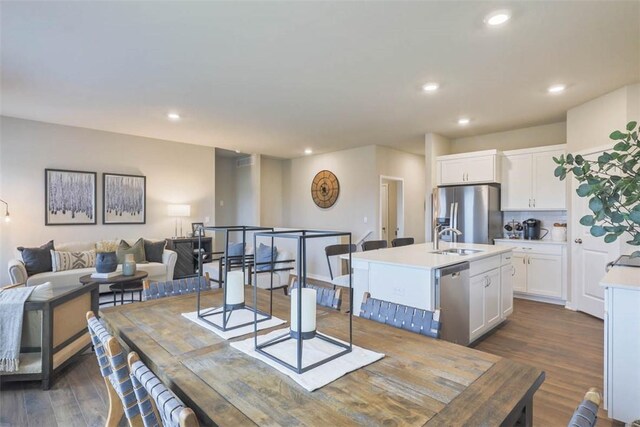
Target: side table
x: 120, y: 283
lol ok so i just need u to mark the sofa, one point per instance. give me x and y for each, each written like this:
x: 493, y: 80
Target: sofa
x: 160, y: 272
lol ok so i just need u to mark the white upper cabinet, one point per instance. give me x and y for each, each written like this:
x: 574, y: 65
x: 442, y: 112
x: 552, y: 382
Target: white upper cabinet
x: 468, y: 168
x: 528, y: 182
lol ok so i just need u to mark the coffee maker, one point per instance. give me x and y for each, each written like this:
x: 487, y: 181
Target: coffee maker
x: 532, y: 228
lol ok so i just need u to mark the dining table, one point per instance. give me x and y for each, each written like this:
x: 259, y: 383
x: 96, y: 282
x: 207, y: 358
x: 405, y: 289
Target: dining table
x: 421, y: 381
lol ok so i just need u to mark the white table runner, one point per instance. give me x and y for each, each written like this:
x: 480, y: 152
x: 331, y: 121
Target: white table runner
x: 314, y: 350
x: 237, y: 318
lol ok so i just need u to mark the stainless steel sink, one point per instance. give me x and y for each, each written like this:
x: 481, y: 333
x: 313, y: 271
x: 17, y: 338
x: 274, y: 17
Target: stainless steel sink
x: 457, y: 252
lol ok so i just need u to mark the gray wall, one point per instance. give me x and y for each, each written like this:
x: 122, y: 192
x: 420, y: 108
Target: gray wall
x: 176, y: 173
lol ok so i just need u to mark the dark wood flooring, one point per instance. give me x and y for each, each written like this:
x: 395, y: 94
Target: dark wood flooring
x: 566, y: 344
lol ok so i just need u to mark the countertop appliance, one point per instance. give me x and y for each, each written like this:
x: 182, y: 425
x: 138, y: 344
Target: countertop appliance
x: 452, y: 298
x: 472, y: 209
x: 532, y: 228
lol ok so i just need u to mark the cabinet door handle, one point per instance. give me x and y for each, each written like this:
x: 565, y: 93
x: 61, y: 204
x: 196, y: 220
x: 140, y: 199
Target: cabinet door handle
x: 523, y: 261
x: 534, y: 203
x: 513, y: 271
x: 528, y: 260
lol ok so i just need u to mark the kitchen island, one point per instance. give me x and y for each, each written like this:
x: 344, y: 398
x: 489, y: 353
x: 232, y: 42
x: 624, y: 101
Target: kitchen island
x: 408, y: 275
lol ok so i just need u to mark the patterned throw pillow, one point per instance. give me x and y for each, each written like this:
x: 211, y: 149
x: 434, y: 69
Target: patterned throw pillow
x: 61, y: 261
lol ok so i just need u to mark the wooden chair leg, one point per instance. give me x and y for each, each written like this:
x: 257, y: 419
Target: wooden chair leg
x: 116, y: 411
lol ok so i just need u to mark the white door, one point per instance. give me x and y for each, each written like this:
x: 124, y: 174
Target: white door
x: 519, y: 261
x: 544, y: 275
x: 476, y: 305
x: 480, y: 169
x: 506, y: 291
x: 492, y: 298
x: 548, y: 191
x: 384, y: 211
x: 516, y: 182
x: 590, y: 256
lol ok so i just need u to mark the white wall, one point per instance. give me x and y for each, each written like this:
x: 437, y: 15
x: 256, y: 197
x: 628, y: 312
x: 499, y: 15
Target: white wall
x: 535, y: 136
x: 248, y: 193
x: 271, y: 192
x: 176, y: 173
x: 411, y: 168
x: 434, y: 145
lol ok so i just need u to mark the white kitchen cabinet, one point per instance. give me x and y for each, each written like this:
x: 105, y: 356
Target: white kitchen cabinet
x: 506, y: 287
x: 468, y: 168
x: 539, y: 268
x: 484, y: 302
x: 622, y: 344
x: 528, y: 182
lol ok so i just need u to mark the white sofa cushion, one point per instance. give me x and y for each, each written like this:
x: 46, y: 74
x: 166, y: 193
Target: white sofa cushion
x: 156, y: 271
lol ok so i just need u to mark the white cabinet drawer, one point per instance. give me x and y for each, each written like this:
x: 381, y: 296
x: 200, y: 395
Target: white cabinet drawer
x: 525, y: 246
x: 486, y: 264
x: 506, y: 259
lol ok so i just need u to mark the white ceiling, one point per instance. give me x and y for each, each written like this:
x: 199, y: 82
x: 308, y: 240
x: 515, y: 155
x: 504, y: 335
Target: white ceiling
x: 277, y: 77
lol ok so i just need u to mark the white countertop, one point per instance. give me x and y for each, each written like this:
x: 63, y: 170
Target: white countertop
x: 533, y: 242
x: 421, y: 255
x: 622, y: 277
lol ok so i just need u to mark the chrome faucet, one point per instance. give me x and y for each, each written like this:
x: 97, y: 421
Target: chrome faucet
x: 439, y: 232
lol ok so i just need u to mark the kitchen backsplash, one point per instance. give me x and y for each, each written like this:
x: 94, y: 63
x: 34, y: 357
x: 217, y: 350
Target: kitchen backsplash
x: 547, y: 219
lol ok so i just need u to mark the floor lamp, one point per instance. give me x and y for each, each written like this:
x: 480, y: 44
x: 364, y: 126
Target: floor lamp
x: 179, y: 212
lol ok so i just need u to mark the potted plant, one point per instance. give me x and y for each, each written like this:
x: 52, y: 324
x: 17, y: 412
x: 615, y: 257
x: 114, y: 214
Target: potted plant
x: 612, y: 184
x: 106, y: 259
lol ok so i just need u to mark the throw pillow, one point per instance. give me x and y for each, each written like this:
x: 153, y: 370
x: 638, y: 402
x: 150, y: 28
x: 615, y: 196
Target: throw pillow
x: 235, y: 249
x: 61, y: 261
x: 263, y: 254
x: 137, y: 250
x: 153, y: 250
x: 37, y: 260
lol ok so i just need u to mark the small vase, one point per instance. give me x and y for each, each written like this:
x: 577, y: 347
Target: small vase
x: 106, y: 262
x: 129, y: 265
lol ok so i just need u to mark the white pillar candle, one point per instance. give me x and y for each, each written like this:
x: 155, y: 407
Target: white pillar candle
x: 308, y: 310
x: 235, y: 287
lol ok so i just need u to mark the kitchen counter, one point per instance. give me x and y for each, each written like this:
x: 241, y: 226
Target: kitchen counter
x: 421, y: 255
x: 533, y: 242
x: 623, y: 278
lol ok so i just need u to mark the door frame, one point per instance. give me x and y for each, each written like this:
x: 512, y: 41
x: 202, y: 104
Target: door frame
x: 384, y: 187
x: 400, y: 204
x: 572, y: 232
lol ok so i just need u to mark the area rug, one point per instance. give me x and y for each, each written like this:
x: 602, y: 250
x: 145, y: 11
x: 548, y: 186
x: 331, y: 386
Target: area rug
x: 237, y: 318
x: 314, y: 350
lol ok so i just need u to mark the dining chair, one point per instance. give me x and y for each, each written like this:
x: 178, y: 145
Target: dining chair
x: 374, y: 244
x: 189, y: 285
x: 337, y: 250
x: 114, y: 370
x: 158, y: 405
x: 402, y: 241
x: 586, y: 414
x: 326, y: 297
x: 424, y: 322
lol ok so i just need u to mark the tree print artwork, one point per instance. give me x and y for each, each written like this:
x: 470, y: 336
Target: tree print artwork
x: 124, y: 199
x: 70, y: 197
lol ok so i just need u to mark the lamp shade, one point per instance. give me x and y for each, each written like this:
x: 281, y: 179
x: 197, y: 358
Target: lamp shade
x: 179, y: 210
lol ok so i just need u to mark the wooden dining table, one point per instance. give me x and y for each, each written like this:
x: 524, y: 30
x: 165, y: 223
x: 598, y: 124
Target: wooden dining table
x: 420, y: 382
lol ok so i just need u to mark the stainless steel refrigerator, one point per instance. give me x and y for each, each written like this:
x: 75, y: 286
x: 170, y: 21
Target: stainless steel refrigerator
x: 472, y: 209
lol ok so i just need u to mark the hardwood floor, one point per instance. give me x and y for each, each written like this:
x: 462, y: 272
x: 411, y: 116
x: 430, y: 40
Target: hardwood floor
x: 566, y: 344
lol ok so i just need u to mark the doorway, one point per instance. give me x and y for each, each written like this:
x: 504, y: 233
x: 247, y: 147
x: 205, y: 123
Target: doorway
x: 391, y: 221
x: 589, y: 255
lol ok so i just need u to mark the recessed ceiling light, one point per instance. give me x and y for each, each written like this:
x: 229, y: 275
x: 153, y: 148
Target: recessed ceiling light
x: 559, y: 88
x: 173, y: 116
x: 430, y: 87
x: 237, y: 151
x: 308, y: 151
x: 497, y: 17
x: 463, y: 121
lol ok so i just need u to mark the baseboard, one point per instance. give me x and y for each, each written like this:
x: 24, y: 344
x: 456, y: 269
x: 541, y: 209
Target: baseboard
x: 548, y: 300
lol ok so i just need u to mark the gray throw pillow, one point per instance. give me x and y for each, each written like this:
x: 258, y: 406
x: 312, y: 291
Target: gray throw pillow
x: 153, y: 250
x: 37, y: 260
x: 235, y: 249
x: 263, y: 254
x: 137, y: 250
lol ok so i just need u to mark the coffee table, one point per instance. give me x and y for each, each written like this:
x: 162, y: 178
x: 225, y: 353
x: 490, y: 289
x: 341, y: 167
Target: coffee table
x: 119, y: 284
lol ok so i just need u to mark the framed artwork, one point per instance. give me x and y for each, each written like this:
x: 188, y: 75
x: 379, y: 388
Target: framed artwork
x: 123, y: 199
x: 197, y: 228
x: 69, y: 197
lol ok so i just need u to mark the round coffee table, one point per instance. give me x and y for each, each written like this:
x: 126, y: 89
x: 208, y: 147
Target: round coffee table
x: 120, y: 284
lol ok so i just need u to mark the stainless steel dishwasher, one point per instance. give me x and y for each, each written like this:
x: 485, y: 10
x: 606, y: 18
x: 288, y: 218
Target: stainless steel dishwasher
x: 452, y: 298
